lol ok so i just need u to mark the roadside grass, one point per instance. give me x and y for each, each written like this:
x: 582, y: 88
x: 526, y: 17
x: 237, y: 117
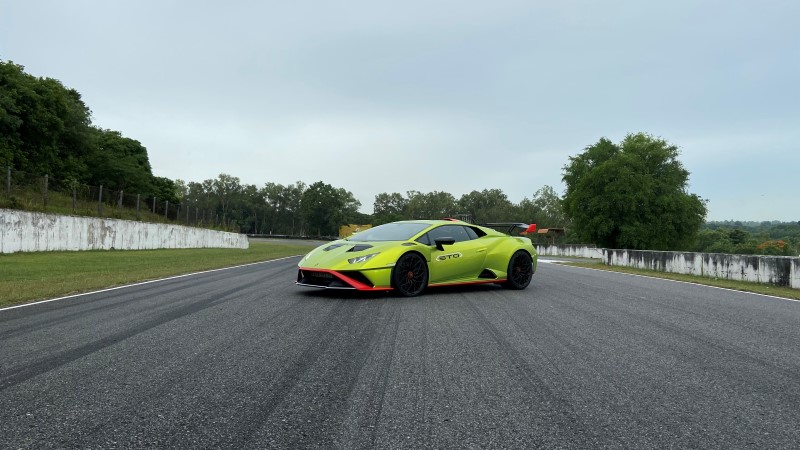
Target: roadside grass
x: 757, y: 288
x: 25, y: 277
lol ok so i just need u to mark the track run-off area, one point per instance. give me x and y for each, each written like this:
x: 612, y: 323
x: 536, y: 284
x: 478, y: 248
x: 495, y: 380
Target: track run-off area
x: 242, y: 358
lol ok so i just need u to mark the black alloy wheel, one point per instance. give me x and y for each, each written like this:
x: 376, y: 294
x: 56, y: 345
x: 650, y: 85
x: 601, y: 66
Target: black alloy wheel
x: 410, y: 275
x: 520, y: 270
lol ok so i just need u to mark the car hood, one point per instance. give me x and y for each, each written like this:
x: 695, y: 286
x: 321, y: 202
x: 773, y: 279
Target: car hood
x: 334, y: 255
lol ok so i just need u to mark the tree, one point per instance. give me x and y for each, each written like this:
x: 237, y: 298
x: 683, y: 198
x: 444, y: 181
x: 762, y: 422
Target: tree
x: 166, y: 189
x: 325, y: 208
x: 44, y: 126
x: 776, y: 247
x: 349, y: 211
x: 489, y: 205
x: 226, y: 188
x: 433, y: 205
x: 283, y: 214
x: 294, y: 199
x: 632, y: 195
x: 120, y: 163
x: 546, y: 209
x: 389, y: 208
x: 274, y: 195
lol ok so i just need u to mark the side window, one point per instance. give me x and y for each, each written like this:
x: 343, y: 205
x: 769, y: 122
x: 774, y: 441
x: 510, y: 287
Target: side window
x: 471, y: 232
x: 457, y: 232
x: 425, y: 240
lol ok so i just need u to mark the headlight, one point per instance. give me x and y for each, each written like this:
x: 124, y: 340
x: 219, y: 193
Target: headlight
x: 362, y: 259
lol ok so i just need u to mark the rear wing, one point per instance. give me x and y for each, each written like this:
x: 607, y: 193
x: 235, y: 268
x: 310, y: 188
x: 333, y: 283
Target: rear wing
x: 512, y: 229
x: 509, y: 228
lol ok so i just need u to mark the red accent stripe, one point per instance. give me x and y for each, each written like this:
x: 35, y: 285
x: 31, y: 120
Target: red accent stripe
x: 354, y: 283
x: 531, y: 228
x: 499, y: 280
x: 363, y: 287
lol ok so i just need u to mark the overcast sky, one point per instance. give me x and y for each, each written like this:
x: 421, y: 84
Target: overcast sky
x: 454, y: 96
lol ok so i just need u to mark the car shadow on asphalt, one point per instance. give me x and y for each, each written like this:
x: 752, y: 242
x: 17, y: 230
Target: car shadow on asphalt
x: 347, y: 294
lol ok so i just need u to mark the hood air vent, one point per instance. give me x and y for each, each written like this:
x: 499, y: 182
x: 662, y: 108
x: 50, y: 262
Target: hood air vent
x: 360, y: 247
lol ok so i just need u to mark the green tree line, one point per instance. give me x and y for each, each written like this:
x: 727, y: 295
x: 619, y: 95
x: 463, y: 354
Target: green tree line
x: 295, y: 209
x: 488, y: 205
x: 320, y: 209
x: 761, y: 238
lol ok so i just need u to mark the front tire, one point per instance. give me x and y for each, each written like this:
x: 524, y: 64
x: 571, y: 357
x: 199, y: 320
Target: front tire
x: 410, y: 275
x: 520, y: 271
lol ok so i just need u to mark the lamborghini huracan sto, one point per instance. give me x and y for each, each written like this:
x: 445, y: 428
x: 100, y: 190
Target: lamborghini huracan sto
x: 407, y: 257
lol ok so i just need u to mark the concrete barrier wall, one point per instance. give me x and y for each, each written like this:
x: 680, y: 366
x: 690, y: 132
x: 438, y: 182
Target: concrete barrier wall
x: 675, y: 262
x: 570, y: 250
x: 776, y: 270
x: 22, y: 231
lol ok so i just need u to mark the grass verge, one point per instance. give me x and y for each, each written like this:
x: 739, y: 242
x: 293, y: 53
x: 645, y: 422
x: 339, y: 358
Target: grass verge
x: 757, y: 288
x: 25, y: 277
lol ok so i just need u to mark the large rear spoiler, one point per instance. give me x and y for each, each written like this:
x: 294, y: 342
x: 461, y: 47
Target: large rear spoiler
x: 512, y: 229
x: 509, y: 228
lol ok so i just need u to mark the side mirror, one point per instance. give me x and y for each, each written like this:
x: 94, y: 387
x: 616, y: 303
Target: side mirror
x: 441, y: 242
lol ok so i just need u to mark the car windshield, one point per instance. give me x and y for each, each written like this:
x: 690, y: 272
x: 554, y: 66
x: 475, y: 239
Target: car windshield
x: 398, y: 231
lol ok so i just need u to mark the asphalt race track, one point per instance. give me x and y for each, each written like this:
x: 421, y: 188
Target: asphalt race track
x: 242, y: 358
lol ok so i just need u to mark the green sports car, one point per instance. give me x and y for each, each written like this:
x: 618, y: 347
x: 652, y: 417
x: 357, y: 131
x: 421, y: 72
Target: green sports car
x: 409, y: 256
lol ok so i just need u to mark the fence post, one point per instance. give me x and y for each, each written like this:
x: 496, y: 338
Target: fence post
x: 100, y: 202
x: 155, y: 199
x: 74, y: 198
x: 46, y: 179
x: 8, y: 181
x: 166, y: 208
x: 187, y: 213
x: 119, y: 205
x: 138, y: 197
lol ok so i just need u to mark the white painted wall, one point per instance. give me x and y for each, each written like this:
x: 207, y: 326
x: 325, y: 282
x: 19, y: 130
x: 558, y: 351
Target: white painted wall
x: 777, y: 270
x: 22, y: 231
x: 568, y: 250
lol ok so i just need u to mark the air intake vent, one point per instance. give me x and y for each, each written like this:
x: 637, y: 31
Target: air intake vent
x: 360, y: 247
x: 487, y: 274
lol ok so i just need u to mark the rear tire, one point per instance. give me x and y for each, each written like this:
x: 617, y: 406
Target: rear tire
x: 410, y: 275
x: 520, y: 271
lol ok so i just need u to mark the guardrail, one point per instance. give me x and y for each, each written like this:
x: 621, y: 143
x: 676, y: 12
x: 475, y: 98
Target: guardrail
x: 776, y: 270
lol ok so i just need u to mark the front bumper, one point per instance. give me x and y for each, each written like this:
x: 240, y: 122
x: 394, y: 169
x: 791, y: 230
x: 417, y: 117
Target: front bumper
x: 332, y: 279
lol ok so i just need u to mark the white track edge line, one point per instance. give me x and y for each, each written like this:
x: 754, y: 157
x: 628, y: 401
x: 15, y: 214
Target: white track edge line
x: 142, y: 283
x: 685, y: 282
